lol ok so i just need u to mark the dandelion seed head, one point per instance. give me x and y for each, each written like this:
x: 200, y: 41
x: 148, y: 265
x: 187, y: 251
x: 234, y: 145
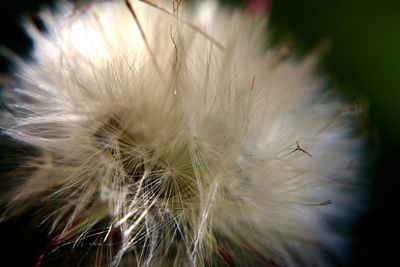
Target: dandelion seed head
x: 181, y: 133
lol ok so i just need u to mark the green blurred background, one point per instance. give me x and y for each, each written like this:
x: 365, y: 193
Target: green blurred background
x: 363, y: 61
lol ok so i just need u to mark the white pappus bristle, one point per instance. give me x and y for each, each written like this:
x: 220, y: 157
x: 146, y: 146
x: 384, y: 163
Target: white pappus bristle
x: 176, y: 138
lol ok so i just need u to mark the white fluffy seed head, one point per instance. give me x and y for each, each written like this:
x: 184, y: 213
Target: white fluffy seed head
x: 190, y: 142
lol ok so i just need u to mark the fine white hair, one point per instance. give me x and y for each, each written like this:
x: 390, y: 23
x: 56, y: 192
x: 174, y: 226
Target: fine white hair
x: 174, y: 128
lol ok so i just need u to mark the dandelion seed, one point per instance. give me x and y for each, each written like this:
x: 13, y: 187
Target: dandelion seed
x: 161, y: 129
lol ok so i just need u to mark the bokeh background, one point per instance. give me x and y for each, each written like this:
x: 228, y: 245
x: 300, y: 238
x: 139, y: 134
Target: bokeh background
x: 360, y: 40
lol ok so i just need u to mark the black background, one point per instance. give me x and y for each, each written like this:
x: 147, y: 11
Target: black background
x: 364, y: 61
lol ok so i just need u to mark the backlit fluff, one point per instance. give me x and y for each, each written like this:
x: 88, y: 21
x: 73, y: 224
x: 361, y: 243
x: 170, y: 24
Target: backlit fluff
x: 188, y: 144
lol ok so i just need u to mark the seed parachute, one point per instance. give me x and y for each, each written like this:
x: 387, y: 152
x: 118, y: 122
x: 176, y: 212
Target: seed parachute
x: 170, y: 134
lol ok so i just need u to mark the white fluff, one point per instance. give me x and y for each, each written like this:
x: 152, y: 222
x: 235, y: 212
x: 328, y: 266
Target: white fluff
x: 200, y: 148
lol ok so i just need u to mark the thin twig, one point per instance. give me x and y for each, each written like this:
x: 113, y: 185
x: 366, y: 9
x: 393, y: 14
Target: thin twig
x: 152, y: 55
x: 191, y: 25
x: 298, y: 148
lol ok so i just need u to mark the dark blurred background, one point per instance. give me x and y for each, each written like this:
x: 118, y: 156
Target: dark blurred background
x: 363, y: 61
